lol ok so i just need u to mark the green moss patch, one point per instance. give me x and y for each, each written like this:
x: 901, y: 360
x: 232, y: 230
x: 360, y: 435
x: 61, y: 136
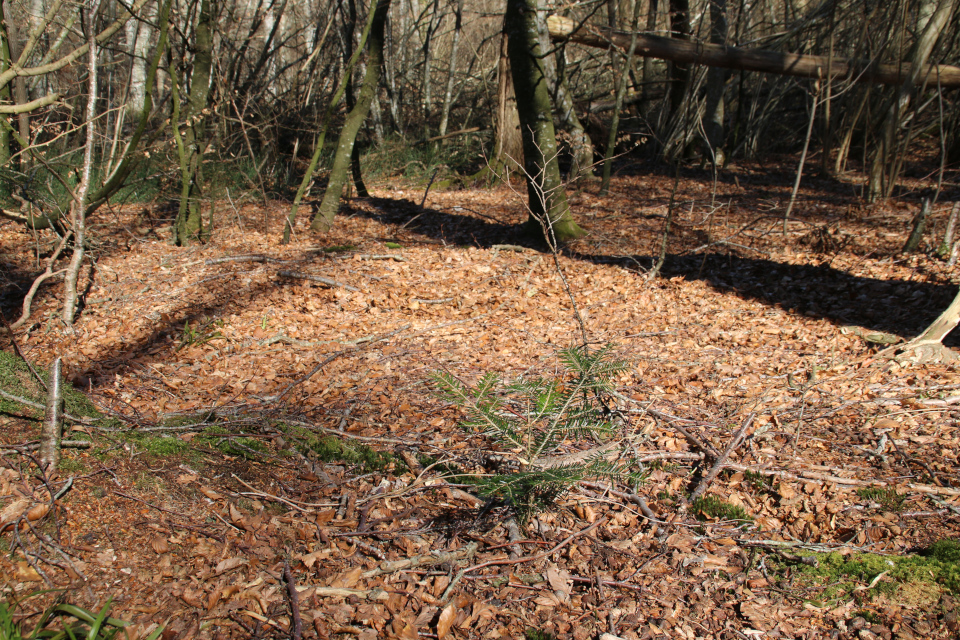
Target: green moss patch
x: 925, y: 575
x: 16, y: 379
x: 331, y: 448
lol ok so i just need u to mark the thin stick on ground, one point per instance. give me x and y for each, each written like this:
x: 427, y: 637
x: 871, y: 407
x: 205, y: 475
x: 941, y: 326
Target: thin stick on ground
x: 297, y: 632
x: 52, y: 420
x: 539, y: 556
x: 722, y: 460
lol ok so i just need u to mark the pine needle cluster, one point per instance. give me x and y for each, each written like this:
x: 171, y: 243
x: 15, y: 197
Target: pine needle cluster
x: 531, y: 417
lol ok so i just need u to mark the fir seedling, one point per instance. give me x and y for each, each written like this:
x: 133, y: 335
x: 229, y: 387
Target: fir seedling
x: 531, y: 418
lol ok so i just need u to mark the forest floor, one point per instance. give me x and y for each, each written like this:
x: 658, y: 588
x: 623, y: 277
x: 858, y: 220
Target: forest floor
x: 260, y: 418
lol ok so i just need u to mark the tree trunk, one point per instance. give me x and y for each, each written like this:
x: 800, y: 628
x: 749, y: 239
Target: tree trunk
x: 621, y: 92
x: 11, y: 53
x: 323, y: 220
x: 79, y: 205
x: 324, y: 124
x: 679, y: 70
x: 432, y: 26
x: 716, y: 83
x: 884, y: 166
x: 451, y: 75
x: 189, y: 225
x: 508, y: 141
x: 647, y: 76
x: 581, y: 148
x: 547, y: 201
x: 138, y: 39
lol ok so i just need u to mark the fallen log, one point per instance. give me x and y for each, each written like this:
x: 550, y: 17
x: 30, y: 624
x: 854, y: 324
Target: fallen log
x: 715, y: 55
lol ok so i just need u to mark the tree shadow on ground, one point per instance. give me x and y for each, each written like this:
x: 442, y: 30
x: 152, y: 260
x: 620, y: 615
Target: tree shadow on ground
x: 900, y: 307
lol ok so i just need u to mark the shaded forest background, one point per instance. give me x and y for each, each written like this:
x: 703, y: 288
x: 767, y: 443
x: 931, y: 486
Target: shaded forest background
x: 194, y: 101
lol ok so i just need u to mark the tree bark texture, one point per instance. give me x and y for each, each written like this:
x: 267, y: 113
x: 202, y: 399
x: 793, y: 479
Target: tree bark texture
x: 788, y: 64
x: 716, y: 83
x: 547, y: 200
x: 323, y: 219
x: 581, y: 148
x: 508, y: 142
x: 52, y: 420
x: 884, y: 166
x: 189, y: 226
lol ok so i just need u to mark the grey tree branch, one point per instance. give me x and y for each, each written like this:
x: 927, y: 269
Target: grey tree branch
x: 53, y: 419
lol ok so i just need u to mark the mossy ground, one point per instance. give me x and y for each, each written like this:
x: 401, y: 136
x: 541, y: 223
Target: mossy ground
x: 16, y: 379
x: 837, y: 577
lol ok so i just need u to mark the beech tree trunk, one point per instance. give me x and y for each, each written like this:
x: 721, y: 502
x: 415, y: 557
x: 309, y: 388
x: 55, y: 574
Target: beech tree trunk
x: 508, y: 141
x: 581, y: 148
x: 885, y: 165
x: 189, y: 225
x: 716, y: 83
x: 323, y: 219
x: 547, y: 200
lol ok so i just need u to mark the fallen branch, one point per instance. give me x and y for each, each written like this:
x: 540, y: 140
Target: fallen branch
x: 715, y: 55
x: 307, y: 276
x: 533, y: 558
x: 33, y: 446
x: 37, y: 405
x: 256, y: 257
x: 387, y: 256
x: 632, y: 497
x: 297, y: 632
x: 430, y: 559
x: 722, y: 460
x: 52, y: 420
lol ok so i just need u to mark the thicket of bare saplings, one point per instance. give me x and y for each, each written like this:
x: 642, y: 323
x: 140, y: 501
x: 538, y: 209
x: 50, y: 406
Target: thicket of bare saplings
x: 193, y: 101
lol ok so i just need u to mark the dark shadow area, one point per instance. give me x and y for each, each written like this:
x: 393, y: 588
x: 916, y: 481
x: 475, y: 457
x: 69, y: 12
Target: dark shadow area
x: 446, y: 227
x: 900, y: 307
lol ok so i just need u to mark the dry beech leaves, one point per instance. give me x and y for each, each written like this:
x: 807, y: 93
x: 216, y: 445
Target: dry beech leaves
x: 718, y: 336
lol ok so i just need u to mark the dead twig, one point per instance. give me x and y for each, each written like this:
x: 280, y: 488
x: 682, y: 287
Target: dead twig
x: 284, y: 273
x: 721, y: 461
x: 632, y: 497
x: 297, y: 631
x: 37, y: 405
x: 430, y: 559
x: 33, y: 446
x: 533, y: 558
x: 334, y: 356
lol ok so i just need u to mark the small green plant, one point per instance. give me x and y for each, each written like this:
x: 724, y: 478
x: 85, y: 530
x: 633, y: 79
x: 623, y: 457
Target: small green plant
x: 758, y: 481
x: 200, y: 333
x: 537, y: 634
x: 713, y: 508
x: 393, y: 245
x: 331, y: 448
x: 531, y: 417
x: 340, y: 248
x: 73, y: 622
x: 886, y: 497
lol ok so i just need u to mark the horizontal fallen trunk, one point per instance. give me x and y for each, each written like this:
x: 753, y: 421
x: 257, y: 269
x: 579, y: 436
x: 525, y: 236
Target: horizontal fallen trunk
x: 714, y: 55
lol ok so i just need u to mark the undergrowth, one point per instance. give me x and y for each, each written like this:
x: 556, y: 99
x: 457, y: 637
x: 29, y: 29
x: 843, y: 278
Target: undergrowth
x: 531, y: 417
x: 62, y: 621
